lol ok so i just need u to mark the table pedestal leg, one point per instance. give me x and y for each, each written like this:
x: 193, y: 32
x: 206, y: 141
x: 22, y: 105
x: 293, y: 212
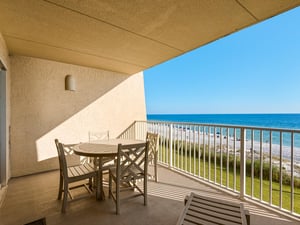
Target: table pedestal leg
x: 100, y: 193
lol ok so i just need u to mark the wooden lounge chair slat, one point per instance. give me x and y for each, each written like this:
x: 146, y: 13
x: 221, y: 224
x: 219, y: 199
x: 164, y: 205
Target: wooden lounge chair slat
x: 236, y: 213
x: 214, y: 215
x: 188, y: 223
x: 218, y: 204
x: 198, y: 220
x: 210, y: 199
x: 208, y: 211
x: 209, y: 219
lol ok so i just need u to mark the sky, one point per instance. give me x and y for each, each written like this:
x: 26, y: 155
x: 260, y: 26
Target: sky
x: 255, y: 70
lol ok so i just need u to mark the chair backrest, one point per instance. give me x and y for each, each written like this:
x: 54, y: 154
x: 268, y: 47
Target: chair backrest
x: 60, y: 160
x: 63, y: 166
x: 153, y: 145
x: 132, y: 161
x: 98, y: 135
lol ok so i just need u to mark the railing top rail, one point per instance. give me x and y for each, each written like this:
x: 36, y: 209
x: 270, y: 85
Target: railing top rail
x: 224, y: 126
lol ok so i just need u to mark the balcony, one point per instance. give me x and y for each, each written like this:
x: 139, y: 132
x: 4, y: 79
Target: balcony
x: 32, y: 197
x: 183, y: 168
x: 255, y: 163
x: 42, y: 42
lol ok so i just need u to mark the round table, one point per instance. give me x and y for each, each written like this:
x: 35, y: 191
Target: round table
x: 100, y: 149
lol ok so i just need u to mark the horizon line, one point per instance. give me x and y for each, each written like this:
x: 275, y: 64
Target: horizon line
x: 219, y: 113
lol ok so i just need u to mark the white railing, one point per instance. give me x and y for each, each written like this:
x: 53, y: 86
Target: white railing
x: 258, y: 163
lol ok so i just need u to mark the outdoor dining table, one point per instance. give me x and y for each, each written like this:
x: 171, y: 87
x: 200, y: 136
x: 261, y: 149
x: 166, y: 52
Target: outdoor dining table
x: 100, y: 149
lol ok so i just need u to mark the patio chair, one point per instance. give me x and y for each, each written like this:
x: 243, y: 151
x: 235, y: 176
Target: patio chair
x: 71, y: 174
x: 153, y: 151
x: 205, y: 210
x: 98, y: 135
x: 107, y: 162
x: 95, y: 136
x: 132, y: 164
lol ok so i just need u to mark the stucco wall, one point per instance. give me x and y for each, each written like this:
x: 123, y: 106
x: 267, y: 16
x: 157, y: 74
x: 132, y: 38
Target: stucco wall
x: 42, y: 110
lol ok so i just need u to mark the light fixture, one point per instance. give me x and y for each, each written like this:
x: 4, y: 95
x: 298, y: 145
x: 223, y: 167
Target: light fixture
x: 70, y: 84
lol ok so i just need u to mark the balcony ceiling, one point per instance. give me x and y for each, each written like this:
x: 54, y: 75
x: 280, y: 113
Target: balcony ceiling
x: 125, y: 36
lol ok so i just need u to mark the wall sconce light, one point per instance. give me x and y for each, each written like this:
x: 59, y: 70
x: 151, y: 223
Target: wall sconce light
x: 70, y: 84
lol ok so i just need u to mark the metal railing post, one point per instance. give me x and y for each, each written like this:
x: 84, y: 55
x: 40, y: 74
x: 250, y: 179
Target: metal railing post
x: 171, y: 146
x: 243, y: 164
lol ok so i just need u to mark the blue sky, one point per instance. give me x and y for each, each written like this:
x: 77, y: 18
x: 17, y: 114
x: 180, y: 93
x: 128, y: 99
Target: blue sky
x: 256, y: 70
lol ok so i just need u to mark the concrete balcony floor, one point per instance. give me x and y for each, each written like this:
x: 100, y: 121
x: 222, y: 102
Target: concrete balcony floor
x: 32, y: 197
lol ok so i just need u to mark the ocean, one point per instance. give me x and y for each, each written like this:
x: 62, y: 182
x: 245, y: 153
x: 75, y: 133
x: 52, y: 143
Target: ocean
x: 288, y: 121
x: 283, y: 121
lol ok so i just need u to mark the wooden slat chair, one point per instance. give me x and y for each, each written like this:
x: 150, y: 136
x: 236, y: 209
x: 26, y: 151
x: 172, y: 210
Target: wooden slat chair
x: 95, y: 136
x: 107, y: 162
x: 98, y: 135
x: 132, y: 164
x: 209, y: 211
x: 71, y: 174
x: 153, y: 151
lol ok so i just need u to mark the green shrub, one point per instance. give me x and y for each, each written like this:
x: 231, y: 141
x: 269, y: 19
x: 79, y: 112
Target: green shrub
x: 191, y: 150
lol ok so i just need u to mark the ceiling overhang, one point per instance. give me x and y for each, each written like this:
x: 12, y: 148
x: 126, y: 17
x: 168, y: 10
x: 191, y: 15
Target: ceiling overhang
x: 125, y: 36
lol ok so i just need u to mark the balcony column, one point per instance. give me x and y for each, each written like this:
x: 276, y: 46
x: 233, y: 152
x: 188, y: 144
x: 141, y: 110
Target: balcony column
x: 243, y: 164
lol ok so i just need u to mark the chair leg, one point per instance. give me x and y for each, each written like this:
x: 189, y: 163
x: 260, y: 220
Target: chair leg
x: 155, y: 167
x: 109, y: 185
x: 65, y: 199
x: 118, y: 197
x: 145, y: 190
x: 91, y: 183
x: 133, y: 185
x: 94, y: 160
x: 60, y: 188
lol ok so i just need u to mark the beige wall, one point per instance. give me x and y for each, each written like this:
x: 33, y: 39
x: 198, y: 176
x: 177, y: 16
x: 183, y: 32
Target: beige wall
x: 42, y: 110
x: 5, y: 60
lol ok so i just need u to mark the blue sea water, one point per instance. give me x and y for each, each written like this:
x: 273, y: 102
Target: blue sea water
x: 286, y: 121
x: 289, y: 121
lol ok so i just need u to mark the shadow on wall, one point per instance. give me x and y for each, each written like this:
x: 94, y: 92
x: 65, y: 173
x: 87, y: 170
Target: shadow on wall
x: 43, y: 110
